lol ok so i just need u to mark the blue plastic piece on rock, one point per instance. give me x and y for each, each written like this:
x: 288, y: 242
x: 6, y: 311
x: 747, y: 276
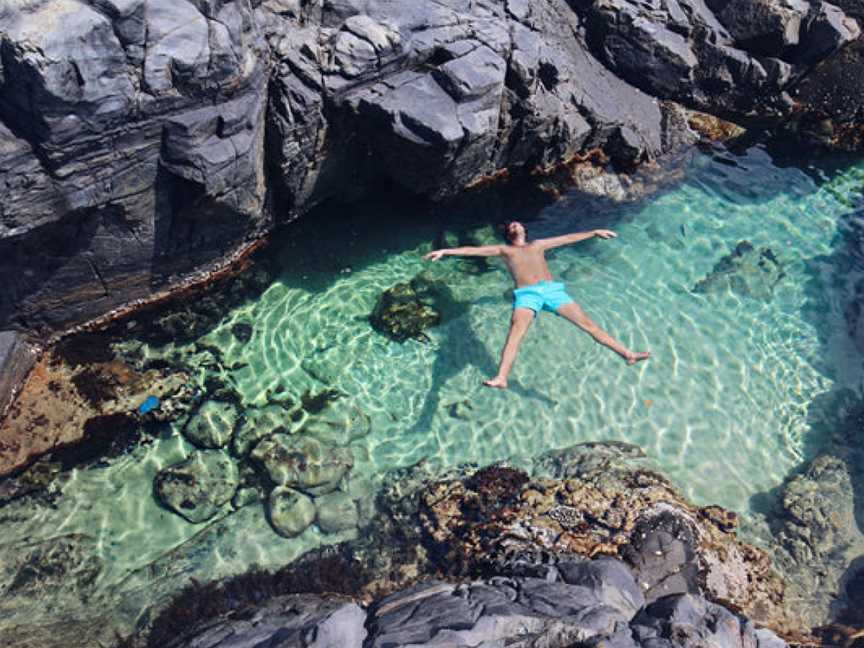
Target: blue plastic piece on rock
x: 150, y: 403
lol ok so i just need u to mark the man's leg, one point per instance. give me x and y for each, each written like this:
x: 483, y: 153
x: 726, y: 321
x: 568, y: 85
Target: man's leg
x: 575, y: 314
x: 521, y: 320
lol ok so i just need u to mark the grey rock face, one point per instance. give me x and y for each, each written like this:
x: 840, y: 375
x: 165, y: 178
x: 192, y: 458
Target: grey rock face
x: 686, y: 620
x: 134, y: 149
x: 819, y: 535
x: 198, y: 487
x: 436, y: 613
x: 141, y: 142
x: 301, y: 620
x: 16, y: 360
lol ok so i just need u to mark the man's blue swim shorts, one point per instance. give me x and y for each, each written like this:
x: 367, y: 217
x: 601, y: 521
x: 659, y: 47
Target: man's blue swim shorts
x: 543, y: 295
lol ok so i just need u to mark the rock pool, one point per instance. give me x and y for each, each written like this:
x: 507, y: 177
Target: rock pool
x: 740, y: 279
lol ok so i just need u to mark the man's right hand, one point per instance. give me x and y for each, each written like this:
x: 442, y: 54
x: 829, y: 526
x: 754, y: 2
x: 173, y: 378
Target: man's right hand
x: 434, y: 255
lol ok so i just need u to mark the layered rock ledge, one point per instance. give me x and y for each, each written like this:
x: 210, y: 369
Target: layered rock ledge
x: 144, y: 142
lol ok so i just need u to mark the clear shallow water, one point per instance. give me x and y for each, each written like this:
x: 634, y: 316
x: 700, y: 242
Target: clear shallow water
x: 726, y: 406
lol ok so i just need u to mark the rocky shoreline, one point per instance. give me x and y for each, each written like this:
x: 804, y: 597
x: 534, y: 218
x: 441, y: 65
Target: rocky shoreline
x: 470, y: 555
x: 155, y: 152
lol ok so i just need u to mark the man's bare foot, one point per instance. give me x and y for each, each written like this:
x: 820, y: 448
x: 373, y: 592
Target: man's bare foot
x: 497, y: 383
x: 633, y: 358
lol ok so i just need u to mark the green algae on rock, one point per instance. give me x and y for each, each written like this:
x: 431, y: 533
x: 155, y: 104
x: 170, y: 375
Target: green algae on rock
x: 290, y: 511
x: 747, y: 271
x: 402, y: 314
x: 212, y: 425
x: 198, y: 487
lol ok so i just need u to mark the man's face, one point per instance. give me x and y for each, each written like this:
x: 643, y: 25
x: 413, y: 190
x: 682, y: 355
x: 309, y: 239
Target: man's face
x: 514, y: 230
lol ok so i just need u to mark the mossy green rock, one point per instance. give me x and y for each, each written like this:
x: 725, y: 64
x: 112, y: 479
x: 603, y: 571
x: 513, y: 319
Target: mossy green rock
x: 303, y: 462
x: 402, y: 312
x: 291, y: 512
x: 212, y: 425
x: 257, y: 424
x: 336, y: 512
x: 197, y: 488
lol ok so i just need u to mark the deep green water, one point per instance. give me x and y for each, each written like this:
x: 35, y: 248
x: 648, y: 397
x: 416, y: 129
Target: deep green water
x: 736, y: 394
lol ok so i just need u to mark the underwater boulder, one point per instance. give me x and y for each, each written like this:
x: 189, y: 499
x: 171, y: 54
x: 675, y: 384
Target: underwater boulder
x: 212, y: 425
x: 199, y: 486
x: 303, y: 462
x: 290, y: 511
x: 748, y: 271
x: 339, y: 423
x: 401, y: 313
x: 257, y: 424
x: 336, y: 512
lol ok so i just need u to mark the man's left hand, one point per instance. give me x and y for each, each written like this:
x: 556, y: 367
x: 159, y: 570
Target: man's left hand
x: 605, y: 234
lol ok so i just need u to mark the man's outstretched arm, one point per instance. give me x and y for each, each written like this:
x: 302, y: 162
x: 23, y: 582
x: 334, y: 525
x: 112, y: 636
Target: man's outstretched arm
x: 567, y: 239
x: 483, y: 251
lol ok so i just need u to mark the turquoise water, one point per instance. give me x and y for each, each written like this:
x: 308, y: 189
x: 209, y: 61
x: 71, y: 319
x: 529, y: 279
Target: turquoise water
x: 727, y: 405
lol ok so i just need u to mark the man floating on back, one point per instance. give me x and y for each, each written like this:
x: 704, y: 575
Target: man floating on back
x: 535, y: 291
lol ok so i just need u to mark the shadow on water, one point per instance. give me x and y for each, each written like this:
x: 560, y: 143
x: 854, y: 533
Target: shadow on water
x: 459, y: 349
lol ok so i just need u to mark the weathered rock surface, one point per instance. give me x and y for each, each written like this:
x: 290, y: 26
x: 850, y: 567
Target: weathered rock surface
x: 198, y: 487
x: 598, y: 505
x: 143, y: 142
x: 747, y: 271
x: 302, y: 620
x: 592, y: 603
x: 16, y: 360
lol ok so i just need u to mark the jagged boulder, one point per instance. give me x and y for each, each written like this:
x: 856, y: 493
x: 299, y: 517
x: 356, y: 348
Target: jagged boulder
x: 305, y: 620
x: 302, y: 462
x: 588, y: 503
x: 198, y: 487
x: 748, y: 271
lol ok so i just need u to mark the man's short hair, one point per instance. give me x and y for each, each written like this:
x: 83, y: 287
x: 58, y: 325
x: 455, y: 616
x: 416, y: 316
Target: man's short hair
x: 508, y: 236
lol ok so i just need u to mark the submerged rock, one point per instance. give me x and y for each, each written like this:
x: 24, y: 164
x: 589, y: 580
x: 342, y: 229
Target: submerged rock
x: 339, y: 423
x: 257, y: 424
x: 747, y: 271
x: 818, y: 536
x: 212, y: 425
x: 290, y: 511
x: 401, y: 313
x: 198, y: 487
x: 336, y: 512
x: 303, y: 462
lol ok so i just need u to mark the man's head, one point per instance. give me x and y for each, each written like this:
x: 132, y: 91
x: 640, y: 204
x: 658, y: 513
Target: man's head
x: 513, y: 231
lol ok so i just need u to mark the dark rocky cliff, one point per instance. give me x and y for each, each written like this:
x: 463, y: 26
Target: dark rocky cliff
x: 142, y: 142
